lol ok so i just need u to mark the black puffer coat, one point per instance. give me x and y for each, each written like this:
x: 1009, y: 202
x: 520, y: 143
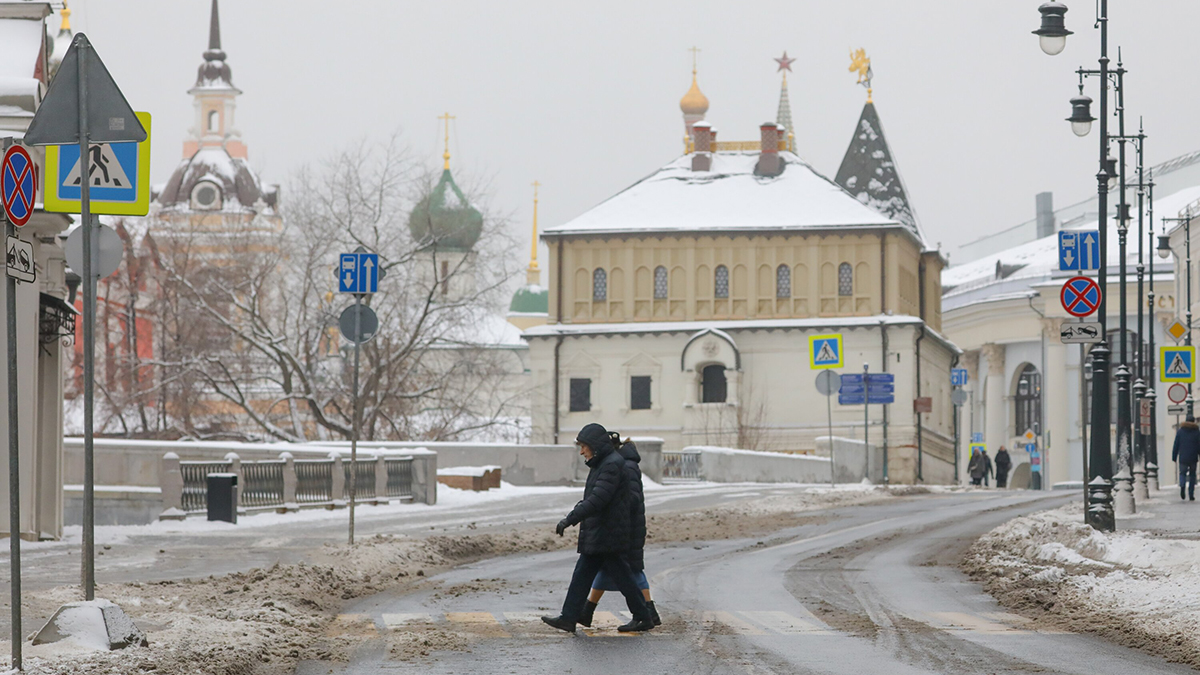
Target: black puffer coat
x: 604, y: 514
x: 637, y: 507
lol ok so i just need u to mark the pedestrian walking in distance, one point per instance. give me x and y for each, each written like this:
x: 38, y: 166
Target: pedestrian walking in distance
x: 636, y: 555
x: 1184, y: 454
x: 976, y: 468
x: 987, y: 468
x: 1003, y: 464
x: 604, y: 519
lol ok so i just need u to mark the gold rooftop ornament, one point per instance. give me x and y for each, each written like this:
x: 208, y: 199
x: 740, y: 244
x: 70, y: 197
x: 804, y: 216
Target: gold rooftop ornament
x: 861, y: 63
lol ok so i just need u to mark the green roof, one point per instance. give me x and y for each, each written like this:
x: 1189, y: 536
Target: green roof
x: 445, y: 219
x: 530, y: 300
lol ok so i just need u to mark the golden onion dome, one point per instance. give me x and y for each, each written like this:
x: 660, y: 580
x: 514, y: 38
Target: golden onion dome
x: 694, y: 102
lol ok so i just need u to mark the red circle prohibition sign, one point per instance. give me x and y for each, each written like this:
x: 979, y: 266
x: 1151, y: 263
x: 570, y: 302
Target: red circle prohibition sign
x: 18, y: 185
x: 1080, y: 296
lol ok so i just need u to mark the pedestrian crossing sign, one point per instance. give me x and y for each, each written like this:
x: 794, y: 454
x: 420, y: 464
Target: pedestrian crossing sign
x: 825, y: 351
x: 978, y: 447
x: 1177, y: 364
x: 118, y: 175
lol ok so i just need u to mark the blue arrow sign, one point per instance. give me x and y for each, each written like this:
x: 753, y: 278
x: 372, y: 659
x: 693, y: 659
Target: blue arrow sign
x: 1079, y: 250
x: 358, y: 273
x: 873, y: 399
x: 872, y: 378
x: 1068, y: 251
x: 1089, y: 250
x: 958, y: 377
x: 872, y: 389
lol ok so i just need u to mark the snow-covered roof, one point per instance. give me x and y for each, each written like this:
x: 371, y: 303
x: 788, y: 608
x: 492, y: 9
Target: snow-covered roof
x: 20, y: 49
x: 483, y: 329
x: 730, y: 198
x: 240, y: 186
x: 1037, y: 260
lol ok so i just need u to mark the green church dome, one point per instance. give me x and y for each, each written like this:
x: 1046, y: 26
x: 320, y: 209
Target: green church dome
x: 531, y: 299
x: 445, y: 218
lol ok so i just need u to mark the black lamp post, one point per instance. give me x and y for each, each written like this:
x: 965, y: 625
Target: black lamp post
x: 1151, y: 358
x: 1052, y: 37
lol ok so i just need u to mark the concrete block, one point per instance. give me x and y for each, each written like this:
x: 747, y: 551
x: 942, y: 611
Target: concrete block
x: 477, y: 479
x: 98, y: 624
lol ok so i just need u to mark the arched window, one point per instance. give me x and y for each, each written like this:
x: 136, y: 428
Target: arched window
x: 783, y: 281
x: 1028, y: 401
x: 599, y: 285
x: 214, y: 120
x: 660, y: 283
x: 845, y: 280
x: 713, y: 384
x: 721, y: 284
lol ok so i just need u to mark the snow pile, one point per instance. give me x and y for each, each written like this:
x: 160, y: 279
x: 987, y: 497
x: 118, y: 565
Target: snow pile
x: 474, y: 471
x: 1129, y: 586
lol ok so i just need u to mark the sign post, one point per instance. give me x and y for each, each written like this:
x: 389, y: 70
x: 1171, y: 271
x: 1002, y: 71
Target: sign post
x: 19, y: 192
x: 828, y: 382
x: 84, y: 106
x: 358, y: 274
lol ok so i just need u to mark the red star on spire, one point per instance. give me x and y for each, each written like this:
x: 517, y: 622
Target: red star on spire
x: 784, y: 62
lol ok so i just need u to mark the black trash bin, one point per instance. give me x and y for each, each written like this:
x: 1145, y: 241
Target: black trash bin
x: 222, y: 497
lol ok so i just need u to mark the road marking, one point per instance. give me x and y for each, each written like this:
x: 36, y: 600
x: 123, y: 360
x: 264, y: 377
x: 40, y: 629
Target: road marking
x: 394, y: 621
x: 971, y: 623
x: 482, y: 622
x: 523, y: 617
x: 1016, y: 620
x: 782, y: 622
x: 738, y: 626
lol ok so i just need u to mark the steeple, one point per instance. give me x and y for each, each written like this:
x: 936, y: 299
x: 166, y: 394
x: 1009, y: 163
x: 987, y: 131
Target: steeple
x: 446, y: 146
x: 215, y: 98
x: 693, y: 104
x: 62, y: 41
x: 783, y: 117
x: 533, y: 276
x: 868, y: 170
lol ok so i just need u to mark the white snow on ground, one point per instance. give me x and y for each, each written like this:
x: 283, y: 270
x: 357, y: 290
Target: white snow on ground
x: 1142, y: 587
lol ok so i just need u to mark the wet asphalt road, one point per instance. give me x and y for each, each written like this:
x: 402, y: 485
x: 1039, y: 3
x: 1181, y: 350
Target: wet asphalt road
x: 869, y: 589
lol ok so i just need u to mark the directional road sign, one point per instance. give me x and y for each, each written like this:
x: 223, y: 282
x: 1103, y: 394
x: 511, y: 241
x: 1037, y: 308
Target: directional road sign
x: 20, y: 260
x: 358, y: 272
x: 1177, y: 393
x: 1080, y: 296
x: 368, y: 323
x: 958, y: 377
x: 1177, y: 330
x: 1177, y: 409
x: 977, y: 437
x: 18, y: 185
x: 879, y: 389
x: 1079, y: 250
x: 825, y: 351
x: 1079, y: 332
x: 119, y: 175
x: 1177, y: 364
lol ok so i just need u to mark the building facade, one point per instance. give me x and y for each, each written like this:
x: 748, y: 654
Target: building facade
x: 681, y: 307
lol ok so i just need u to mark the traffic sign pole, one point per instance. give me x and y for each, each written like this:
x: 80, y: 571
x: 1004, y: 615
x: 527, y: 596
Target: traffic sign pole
x: 89, y: 336
x: 14, y: 458
x: 866, y: 419
x: 354, y: 415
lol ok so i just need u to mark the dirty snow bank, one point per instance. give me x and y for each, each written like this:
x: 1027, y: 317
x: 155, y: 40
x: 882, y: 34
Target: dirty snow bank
x: 1129, y: 586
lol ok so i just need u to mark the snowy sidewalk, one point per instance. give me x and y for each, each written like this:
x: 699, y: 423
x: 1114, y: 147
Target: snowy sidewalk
x: 1138, y: 586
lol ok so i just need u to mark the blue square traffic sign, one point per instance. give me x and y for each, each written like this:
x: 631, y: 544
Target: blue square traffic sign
x: 358, y: 273
x: 1078, y: 250
x: 958, y: 377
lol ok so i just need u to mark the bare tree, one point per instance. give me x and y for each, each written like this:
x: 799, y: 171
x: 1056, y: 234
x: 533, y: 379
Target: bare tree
x: 257, y: 314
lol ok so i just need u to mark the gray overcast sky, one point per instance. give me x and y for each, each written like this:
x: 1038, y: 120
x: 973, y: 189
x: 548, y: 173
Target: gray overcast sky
x: 584, y: 97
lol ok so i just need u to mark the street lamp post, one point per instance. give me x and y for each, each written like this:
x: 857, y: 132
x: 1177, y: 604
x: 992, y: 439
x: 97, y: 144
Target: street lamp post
x: 1123, y: 479
x: 1141, y: 385
x: 1052, y: 36
x: 1152, y: 441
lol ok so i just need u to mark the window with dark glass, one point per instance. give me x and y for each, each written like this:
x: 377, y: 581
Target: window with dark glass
x: 660, y: 283
x: 783, y: 281
x: 721, y: 286
x: 581, y: 394
x: 845, y: 279
x: 599, y: 285
x: 1028, y: 400
x: 639, y: 392
x: 712, y: 384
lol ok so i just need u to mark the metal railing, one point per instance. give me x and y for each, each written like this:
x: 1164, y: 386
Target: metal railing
x: 314, y: 481
x: 399, y: 477
x: 364, y: 487
x: 261, y: 484
x: 681, y: 466
x: 195, y: 482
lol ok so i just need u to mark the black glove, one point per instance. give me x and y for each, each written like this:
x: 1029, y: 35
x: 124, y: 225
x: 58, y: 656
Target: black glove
x: 561, y: 527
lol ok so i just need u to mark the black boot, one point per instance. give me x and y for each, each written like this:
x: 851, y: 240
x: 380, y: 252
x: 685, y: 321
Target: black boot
x: 653, y: 613
x: 589, y: 611
x: 560, y: 622
x: 636, y: 626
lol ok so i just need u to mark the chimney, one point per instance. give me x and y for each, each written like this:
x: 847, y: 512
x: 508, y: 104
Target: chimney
x: 768, y: 159
x: 702, y: 138
x: 1045, y: 214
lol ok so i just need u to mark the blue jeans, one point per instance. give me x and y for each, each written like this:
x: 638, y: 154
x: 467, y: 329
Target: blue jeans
x: 1187, y: 475
x: 604, y: 582
x: 617, y: 569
